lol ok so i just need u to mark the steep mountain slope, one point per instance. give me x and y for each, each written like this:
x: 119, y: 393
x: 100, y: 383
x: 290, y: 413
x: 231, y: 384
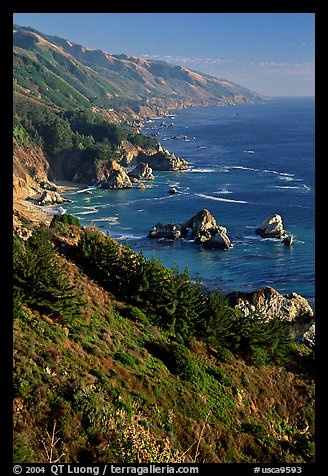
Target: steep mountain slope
x: 69, y: 75
x: 120, y: 383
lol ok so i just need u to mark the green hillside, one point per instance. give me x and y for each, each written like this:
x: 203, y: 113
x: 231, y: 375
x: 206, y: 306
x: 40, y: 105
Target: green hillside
x: 127, y: 361
x: 117, y: 358
x: 68, y: 75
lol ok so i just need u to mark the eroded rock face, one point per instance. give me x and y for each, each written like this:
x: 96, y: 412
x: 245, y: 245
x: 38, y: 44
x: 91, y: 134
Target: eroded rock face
x: 204, y: 230
x: 308, y: 337
x: 270, y: 303
x: 272, y: 227
x: 164, y: 160
x: 203, y: 226
x: 115, y: 177
x: 219, y: 240
x: 142, y: 172
x: 49, y: 197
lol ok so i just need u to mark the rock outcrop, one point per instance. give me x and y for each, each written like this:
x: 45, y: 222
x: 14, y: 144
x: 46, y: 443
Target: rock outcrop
x: 141, y: 172
x: 164, y: 160
x: 272, y: 227
x: 169, y: 231
x: 308, y: 337
x: 49, y: 197
x: 203, y: 228
x: 270, y: 303
x: 219, y: 239
x: 203, y: 225
x: 115, y: 176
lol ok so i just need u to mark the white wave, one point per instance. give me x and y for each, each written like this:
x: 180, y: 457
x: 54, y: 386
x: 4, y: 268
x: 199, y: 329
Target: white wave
x: 223, y: 191
x: 288, y: 178
x: 291, y: 187
x: 129, y: 237
x: 88, y: 212
x: 111, y: 220
x: 54, y: 210
x: 219, y: 199
x: 203, y: 170
x: 249, y: 151
x: 282, y: 175
x: 84, y: 190
x: 91, y: 207
x: 241, y: 167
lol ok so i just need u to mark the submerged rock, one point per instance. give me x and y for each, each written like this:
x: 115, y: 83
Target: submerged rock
x: 270, y: 303
x: 272, y: 227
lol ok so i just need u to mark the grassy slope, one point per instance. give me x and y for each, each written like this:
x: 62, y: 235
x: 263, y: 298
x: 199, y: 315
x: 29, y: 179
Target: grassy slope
x: 105, y: 383
x: 69, y: 75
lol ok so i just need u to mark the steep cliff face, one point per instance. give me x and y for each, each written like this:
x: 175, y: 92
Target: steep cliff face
x: 30, y: 169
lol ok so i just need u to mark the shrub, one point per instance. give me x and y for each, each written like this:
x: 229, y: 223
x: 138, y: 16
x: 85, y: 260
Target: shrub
x: 137, y: 444
x: 125, y: 358
x: 64, y: 220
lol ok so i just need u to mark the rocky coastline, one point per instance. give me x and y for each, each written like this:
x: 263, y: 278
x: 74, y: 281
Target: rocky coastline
x: 293, y: 308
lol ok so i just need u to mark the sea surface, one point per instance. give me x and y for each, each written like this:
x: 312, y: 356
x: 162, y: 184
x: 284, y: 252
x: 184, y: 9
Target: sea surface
x: 247, y: 163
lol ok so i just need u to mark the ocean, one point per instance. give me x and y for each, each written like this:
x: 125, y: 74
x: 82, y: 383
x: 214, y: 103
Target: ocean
x: 247, y: 163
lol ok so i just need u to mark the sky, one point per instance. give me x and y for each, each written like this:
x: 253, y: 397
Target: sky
x: 270, y: 53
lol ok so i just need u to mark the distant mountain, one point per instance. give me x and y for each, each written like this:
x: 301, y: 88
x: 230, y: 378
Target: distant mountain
x: 63, y: 74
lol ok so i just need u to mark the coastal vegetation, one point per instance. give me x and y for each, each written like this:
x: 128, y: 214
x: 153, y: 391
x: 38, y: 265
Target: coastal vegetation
x: 132, y: 362
x: 75, y: 140
x: 116, y: 357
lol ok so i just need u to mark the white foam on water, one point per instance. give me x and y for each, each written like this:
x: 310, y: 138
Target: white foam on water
x: 88, y: 212
x: 201, y: 170
x: 219, y: 199
x: 223, y: 191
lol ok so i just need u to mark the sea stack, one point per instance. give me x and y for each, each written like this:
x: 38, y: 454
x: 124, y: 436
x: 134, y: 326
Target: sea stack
x: 272, y: 227
x: 204, y: 230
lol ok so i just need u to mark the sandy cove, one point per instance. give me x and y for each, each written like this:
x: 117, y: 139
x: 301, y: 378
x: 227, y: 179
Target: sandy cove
x: 37, y: 214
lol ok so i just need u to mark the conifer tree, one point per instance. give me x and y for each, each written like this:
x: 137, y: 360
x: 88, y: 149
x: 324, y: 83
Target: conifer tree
x: 40, y: 280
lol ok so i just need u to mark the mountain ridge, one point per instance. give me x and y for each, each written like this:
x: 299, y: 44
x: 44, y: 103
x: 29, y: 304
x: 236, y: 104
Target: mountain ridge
x: 104, y: 79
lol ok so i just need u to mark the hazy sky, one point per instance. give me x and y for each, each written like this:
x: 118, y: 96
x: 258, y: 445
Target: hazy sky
x: 270, y: 53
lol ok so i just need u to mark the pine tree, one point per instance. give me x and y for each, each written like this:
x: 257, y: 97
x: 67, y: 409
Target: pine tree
x: 40, y: 280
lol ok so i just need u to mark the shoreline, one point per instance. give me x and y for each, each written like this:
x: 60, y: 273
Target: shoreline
x: 28, y: 209
x: 64, y: 186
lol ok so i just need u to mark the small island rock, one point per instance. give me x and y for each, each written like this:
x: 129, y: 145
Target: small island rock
x: 272, y: 227
x: 203, y: 227
x: 170, y: 231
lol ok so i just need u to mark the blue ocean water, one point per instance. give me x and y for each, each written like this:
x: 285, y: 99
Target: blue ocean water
x: 247, y: 163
